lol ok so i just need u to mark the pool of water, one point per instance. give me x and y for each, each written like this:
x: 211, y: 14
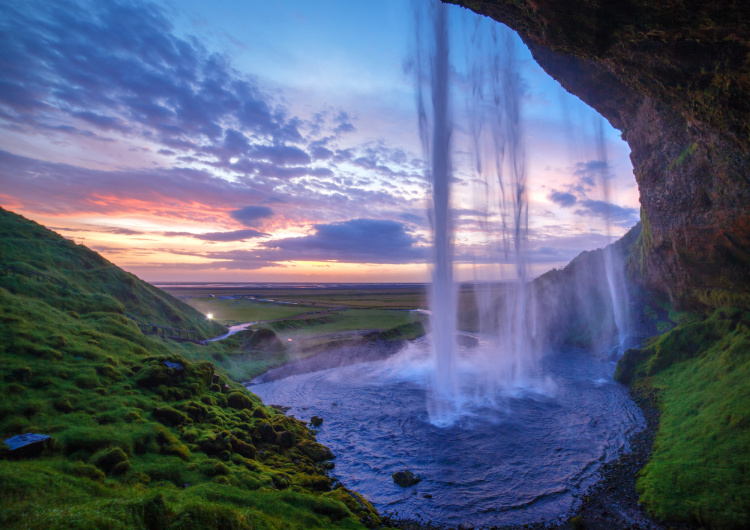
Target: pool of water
x: 519, y: 453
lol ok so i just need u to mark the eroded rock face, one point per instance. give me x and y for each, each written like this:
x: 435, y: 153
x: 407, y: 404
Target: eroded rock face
x: 674, y: 77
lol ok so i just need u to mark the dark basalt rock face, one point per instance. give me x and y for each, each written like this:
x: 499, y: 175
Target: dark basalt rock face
x: 674, y: 77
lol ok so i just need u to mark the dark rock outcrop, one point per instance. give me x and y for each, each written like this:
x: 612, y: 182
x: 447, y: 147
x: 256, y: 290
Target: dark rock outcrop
x: 406, y: 478
x: 674, y: 77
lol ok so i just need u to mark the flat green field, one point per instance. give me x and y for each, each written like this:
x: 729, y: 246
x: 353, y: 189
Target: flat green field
x: 240, y: 310
x: 306, y: 320
x: 388, y: 297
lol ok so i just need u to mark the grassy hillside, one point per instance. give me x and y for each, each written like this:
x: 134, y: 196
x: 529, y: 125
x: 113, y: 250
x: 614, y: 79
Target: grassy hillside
x: 27, y: 245
x: 699, y: 471
x: 144, y: 432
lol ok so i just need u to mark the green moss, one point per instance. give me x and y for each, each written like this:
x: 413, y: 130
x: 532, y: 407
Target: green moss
x: 699, y: 471
x: 113, y: 460
x: 169, y: 416
x: 239, y: 400
x: 638, y: 259
x: 683, y: 157
x: 131, y: 434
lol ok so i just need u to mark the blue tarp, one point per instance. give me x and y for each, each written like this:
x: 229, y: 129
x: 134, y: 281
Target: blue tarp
x: 22, y: 440
x: 176, y: 366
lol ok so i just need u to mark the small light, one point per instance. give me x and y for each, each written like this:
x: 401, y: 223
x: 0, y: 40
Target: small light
x: 210, y: 316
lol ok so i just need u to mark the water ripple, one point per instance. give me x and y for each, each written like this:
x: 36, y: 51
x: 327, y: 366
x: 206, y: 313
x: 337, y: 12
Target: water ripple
x: 520, y: 455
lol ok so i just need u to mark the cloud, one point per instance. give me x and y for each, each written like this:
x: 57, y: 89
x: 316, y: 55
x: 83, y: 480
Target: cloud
x: 250, y: 215
x: 117, y: 67
x: 321, y: 153
x: 236, y: 235
x: 618, y: 215
x: 566, y: 200
x: 344, y: 123
x: 280, y: 154
x: 123, y: 231
x: 353, y: 241
x: 589, y: 174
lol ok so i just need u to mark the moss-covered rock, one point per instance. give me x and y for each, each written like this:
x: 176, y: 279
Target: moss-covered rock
x: 169, y: 416
x: 315, y: 451
x: 239, y: 400
x: 112, y: 461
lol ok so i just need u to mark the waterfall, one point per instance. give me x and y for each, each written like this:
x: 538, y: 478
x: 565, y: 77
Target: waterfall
x: 613, y: 266
x: 506, y: 321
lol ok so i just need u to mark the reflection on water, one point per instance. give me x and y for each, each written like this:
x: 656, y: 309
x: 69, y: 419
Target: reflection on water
x: 521, y: 455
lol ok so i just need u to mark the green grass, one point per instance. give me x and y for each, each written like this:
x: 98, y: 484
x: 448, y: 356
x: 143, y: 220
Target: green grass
x: 347, y: 320
x: 387, y: 297
x: 137, y: 444
x: 699, y: 471
x: 230, y: 312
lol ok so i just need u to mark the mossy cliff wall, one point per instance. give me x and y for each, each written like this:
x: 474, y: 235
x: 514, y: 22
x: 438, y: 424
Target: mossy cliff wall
x: 674, y: 77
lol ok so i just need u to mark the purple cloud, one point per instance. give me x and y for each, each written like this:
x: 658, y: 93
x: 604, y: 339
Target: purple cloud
x: 356, y: 240
x: 566, y: 200
x: 617, y: 215
x: 250, y: 215
x: 236, y: 235
x: 118, y: 67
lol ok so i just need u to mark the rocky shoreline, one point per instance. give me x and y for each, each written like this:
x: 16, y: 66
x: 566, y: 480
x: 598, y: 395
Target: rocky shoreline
x: 610, y: 503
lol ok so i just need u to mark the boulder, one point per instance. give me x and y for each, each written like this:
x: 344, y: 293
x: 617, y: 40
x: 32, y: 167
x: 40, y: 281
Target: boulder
x: 406, y: 478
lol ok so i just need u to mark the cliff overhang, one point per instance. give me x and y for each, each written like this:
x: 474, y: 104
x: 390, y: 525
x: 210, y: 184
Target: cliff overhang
x: 674, y: 78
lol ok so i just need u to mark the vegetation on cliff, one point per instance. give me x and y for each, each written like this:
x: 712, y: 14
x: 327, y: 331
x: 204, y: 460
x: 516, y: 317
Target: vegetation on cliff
x: 699, y: 471
x: 145, y: 432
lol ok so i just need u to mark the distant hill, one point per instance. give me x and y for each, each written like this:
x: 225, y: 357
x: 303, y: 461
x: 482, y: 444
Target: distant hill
x: 28, y: 245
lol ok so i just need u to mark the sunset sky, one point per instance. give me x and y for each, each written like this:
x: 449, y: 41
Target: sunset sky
x: 268, y: 141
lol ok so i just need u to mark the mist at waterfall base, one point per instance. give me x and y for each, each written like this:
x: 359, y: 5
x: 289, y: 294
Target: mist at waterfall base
x: 502, y: 423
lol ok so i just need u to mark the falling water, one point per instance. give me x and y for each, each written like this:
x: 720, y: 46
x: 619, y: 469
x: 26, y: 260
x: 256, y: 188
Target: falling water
x: 437, y: 149
x: 505, y: 324
x: 612, y: 265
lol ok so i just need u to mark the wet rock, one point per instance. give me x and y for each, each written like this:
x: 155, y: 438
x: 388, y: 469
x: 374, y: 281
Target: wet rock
x: 27, y: 445
x: 466, y: 526
x: 316, y: 421
x: 406, y: 478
